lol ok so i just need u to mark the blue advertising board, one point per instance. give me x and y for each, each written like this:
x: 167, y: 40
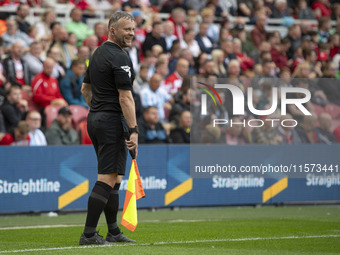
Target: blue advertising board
x: 60, y: 178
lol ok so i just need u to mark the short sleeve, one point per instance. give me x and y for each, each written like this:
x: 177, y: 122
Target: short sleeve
x: 123, y: 73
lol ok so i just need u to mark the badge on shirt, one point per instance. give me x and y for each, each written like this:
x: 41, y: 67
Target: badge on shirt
x: 127, y: 69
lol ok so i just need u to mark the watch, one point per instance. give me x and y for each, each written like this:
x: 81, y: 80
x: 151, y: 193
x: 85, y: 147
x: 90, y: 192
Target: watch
x: 134, y: 130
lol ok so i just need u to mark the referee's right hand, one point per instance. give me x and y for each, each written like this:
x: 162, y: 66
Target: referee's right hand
x: 132, y: 144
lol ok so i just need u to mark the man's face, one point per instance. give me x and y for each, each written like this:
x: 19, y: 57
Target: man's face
x: 99, y: 30
x: 204, y: 28
x: 185, y: 119
x: 76, y: 15
x: 155, y: 82
x: 182, y: 67
x: 65, y: 121
x: 17, y: 50
x: 48, y: 67
x: 36, y: 50
x: 151, y: 117
x: 79, y: 70
x: 124, y: 33
x: 23, y: 12
x: 34, y: 120
x: 14, y: 96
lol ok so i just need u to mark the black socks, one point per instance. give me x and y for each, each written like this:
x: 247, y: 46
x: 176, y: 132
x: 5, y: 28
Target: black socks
x: 111, y: 210
x: 98, y: 199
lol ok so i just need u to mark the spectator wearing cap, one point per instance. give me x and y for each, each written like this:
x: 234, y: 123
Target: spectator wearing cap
x: 17, y: 137
x: 45, y: 88
x: 37, y: 137
x: 258, y: 34
x: 205, y: 43
x: 247, y: 45
x: 207, y: 15
x: 76, y: 26
x: 154, y: 38
x: 61, y: 132
x: 321, y: 8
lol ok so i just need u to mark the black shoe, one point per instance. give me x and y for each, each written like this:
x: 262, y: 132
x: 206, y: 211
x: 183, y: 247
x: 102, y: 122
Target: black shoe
x: 96, y: 239
x: 118, y: 238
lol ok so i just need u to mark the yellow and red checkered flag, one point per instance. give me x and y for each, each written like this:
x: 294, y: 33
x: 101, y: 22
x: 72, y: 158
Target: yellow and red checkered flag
x: 134, y: 192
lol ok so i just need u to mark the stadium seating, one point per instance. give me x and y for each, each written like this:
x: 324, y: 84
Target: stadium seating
x: 51, y: 113
x: 79, y: 113
x: 333, y: 110
x: 31, y: 105
x: 83, y: 135
x: 318, y: 109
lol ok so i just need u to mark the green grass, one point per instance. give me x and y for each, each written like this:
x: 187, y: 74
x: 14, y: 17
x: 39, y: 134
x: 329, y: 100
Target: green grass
x: 243, y: 230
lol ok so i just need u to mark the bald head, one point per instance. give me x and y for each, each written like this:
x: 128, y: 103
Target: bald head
x: 48, y: 66
x: 155, y: 81
x: 182, y: 67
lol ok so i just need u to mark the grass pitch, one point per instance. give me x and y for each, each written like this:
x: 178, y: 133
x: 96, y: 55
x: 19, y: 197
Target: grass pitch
x: 241, y: 230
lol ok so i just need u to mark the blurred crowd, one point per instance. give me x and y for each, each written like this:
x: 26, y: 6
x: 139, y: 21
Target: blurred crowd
x: 177, y: 44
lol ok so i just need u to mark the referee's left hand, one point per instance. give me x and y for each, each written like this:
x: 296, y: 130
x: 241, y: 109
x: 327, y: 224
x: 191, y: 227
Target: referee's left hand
x: 132, y: 144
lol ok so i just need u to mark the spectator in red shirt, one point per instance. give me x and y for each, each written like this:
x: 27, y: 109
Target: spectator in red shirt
x: 258, y: 34
x: 246, y: 62
x: 174, y: 82
x: 178, y: 17
x: 321, y: 8
x: 100, y: 32
x: 19, y: 136
x: 45, y: 88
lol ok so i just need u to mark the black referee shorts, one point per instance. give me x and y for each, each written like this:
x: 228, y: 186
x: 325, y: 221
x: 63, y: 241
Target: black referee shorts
x: 106, y: 130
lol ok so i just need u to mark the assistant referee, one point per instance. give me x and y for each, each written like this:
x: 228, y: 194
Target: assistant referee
x: 107, y: 90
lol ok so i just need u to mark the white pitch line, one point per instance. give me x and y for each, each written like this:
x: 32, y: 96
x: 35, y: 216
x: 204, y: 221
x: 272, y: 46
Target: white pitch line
x: 41, y: 226
x: 177, y: 242
x: 79, y: 225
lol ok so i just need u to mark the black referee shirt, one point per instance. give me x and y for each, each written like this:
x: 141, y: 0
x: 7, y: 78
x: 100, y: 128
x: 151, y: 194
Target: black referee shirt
x: 110, y: 69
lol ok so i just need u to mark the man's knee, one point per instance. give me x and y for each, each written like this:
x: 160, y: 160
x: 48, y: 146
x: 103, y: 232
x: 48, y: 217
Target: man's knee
x: 109, y: 179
